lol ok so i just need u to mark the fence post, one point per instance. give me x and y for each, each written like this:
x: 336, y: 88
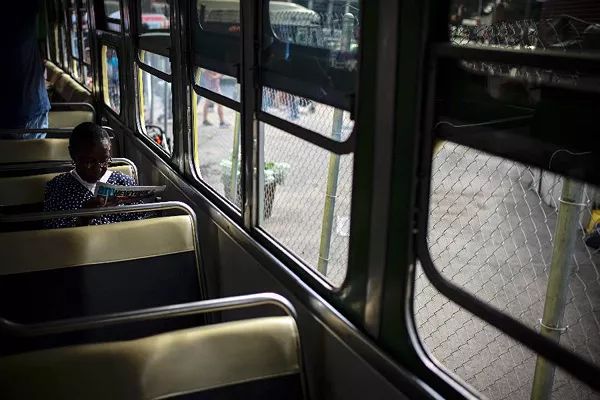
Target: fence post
x: 334, y: 163
x: 561, y: 268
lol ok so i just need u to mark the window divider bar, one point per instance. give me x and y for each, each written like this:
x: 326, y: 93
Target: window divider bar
x: 249, y: 19
x: 577, y: 366
x: 217, y: 98
x: 345, y: 147
x: 154, y: 71
x: 582, y: 62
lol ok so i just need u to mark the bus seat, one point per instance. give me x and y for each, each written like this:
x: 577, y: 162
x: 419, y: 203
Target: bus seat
x: 251, y: 359
x: 59, y: 85
x: 18, y: 192
x: 68, y: 88
x: 98, y: 269
x: 80, y: 94
x: 23, y: 151
x: 69, y: 119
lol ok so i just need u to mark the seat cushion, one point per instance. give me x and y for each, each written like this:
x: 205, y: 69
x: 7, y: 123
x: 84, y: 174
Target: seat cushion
x: 161, y: 366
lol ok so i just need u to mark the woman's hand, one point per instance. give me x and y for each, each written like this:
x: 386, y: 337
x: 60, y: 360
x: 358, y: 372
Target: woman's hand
x: 94, y: 202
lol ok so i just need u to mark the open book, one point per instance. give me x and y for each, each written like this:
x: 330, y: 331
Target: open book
x: 109, y: 193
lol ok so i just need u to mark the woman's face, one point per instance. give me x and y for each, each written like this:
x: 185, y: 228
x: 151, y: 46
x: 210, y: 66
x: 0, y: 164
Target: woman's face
x: 92, y: 160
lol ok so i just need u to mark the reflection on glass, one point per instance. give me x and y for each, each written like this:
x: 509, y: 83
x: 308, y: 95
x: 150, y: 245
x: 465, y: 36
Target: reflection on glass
x: 218, y: 148
x: 74, y: 41
x: 87, y: 76
x: 326, y: 120
x: 219, y: 83
x: 85, y: 33
x: 525, y: 24
x: 155, y: 15
x: 306, y: 203
x: 113, y: 97
x: 157, y: 110
x: 219, y: 16
x: 320, y: 23
x: 156, y: 61
x: 63, y: 48
x: 75, y: 70
x: 112, y: 10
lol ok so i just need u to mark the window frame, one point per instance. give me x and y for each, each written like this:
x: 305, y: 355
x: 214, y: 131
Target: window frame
x: 440, y: 51
x: 106, y: 45
x: 158, y: 43
x: 218, y: 99
x: 90, y: 66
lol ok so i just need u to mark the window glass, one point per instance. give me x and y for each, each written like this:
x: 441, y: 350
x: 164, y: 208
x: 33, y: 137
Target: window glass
x: 156, y: 110
x: 525, y: 24
x: 112, y: 10
x: 314, y: 47
x: 219, y: 83
x: 319, y: 23
x: 155, y: 15
x: 112, y: 90
x: 85, y: 33
x: 64, y: 61
x: 503, y: 231
x: 484, y: 357
x: 219, y: 16
x: 306, y: 202
x: 218, y: 145
x: 88, y: 79
x: 75, y: 69
x: 156, y: 61
x: 54, y: 45
x: 73, y: 30
x: 320, y: 118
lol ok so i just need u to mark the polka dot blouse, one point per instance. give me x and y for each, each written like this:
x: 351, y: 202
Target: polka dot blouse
x: 65, y: 192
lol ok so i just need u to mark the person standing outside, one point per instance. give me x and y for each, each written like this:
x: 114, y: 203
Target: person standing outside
x: 212, y: 81
x: 24, y: 102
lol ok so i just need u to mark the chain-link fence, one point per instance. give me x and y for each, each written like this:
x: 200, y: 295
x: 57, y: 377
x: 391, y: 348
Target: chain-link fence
x: 492, y: 231
x: 307, y: 190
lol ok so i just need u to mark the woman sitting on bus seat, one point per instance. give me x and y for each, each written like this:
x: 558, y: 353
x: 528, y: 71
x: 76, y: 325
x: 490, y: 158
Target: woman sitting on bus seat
x: 90, y: 149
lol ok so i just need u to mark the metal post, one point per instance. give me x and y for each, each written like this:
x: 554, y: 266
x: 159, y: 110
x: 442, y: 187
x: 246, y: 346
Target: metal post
x: 561, y: 269
x: 235, y: 158
x: 334, y: 164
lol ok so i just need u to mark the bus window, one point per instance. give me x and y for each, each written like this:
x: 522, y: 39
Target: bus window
x: 64, y: 59
x: 219, y: 16
x: 224, y: 85
x: 155, y: 15
x: 307, y: 193
x: 85, y: 39
x: 217, y: 141
x: 112, y: 11
x: 73, y: 29
x: 216, y: 35
x: 155, y: 108
x: 112, y: 87
x: 328, y: 121
x: 314, y: 48
x: 75, y: 69
x: 156, y: 61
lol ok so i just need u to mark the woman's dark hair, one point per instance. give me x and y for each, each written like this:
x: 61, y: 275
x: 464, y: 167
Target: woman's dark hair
x: 87, y: 134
